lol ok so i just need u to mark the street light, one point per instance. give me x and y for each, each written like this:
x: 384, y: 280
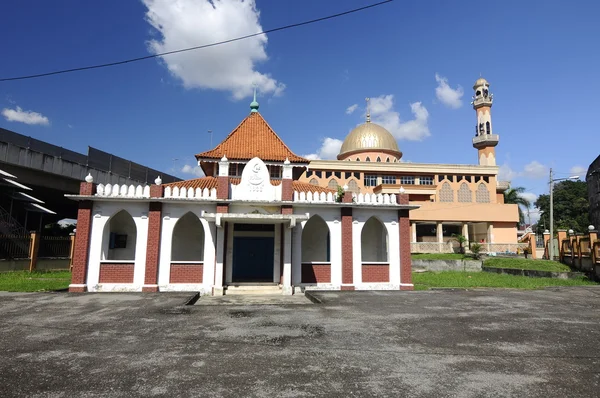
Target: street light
x: 552, y: 181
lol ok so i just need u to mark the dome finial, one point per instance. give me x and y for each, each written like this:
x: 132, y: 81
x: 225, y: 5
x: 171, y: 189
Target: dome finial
x: 368, y: 110
x: 254, y: 104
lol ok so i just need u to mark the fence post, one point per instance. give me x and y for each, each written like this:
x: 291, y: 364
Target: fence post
x: 72, y: 236
x: 33, y: 253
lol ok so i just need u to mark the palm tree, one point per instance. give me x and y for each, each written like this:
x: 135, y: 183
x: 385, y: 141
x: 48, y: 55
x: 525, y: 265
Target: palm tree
x: 512, y: 196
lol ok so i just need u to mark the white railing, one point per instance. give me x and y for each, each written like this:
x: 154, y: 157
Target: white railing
x: 375, y: 198
x: 314, y: 197
x: 431, y: 247
x: 123, y: 191
x: 191, y: 193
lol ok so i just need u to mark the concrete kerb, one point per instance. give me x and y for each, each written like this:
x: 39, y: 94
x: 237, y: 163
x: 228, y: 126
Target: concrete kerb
x: 312, y: 297
x: 446, y: 265
x: 533, y: 273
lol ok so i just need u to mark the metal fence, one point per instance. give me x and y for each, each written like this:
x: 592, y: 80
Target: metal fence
x: 54, y: 247
x: 15, y: 246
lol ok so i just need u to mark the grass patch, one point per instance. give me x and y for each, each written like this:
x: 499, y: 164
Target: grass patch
x: 426, y: 280
x: 38, y: 281
x: 439, y: 256
x: 521, y: 263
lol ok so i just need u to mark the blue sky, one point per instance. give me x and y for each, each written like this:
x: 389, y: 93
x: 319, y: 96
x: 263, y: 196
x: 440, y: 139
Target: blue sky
x: 540, y: 58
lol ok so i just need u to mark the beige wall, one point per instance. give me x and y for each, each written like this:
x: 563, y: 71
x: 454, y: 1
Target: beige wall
x: 505, y: 232
x: 465, y: 212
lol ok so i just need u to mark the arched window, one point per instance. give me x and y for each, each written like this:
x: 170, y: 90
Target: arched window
x: 464, y: 193
x: 378, y: 159
x: 188, y: 239
x: 482, y: 195
x: 374, y: 242
x: 353, y: 186
x: 314, y: 181
x: 387, y: 160
x: 487, y: 127
x: 358, y: 159
x: 333, y: 184
x: 446, y: 193
x: 315, y: 241
x: 120, y: 236
x: 368, y: 159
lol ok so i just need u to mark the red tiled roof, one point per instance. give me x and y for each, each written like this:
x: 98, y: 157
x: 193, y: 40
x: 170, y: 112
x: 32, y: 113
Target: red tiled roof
x: 204, y: 182
x: 253, y: 138
x: 305, y: 187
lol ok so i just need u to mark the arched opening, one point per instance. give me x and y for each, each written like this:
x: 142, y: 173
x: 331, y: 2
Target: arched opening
x: 358, y: 159
x: 378, y: 159
x: 314, y: 181
x: 446, y: 193
x: 368, y: 159
x: 482, y: 195
x: 464, y: 193
x: 353, y: 186
x: 387, y: 160
x: 316, y: 266
x: 120, y: 236
x: 374, y: 242
x: 188, y: 239
x: 333, y: 184
x: 487, y: 127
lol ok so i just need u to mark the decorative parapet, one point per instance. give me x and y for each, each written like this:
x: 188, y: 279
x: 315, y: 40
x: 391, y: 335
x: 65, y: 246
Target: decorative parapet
x: 329, y: 197
x: 191, y: 193
x: 123, y: 191
x: 376, y: 199
x: 314, y: 197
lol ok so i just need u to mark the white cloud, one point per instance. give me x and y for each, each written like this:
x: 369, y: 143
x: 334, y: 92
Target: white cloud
x: 227, y: 67
x: 27, y: 117
x: 330, y: 148
x: 530, y: 196
x: 505, y: 173
x: 351, y: 109
x: 535, y: 170
x: 578, y: 171
x: 195, y: 170
x: 383, y: 113
x: 446, y: 94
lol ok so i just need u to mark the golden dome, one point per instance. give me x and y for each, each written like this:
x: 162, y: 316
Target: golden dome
x: 480, y: 82
x: 369, y: 137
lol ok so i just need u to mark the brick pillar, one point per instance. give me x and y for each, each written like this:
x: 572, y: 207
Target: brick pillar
x: 153, y: 245
x: 593, y: 239
x: 287, y: 192
x: 83, y: 232
x: 223, y: 179
x: 405, y: 260
x: 347, y: 257
x: 546, y: 236
x: 82, y: 247
x: 532, y: 246
x: 562, y: 235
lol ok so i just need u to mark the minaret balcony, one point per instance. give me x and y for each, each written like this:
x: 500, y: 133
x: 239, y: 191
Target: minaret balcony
x: 482, y: 101
x: 485, y: 140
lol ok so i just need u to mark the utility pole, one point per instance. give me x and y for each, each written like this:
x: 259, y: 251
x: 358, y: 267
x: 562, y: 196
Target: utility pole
x: 551, y: 243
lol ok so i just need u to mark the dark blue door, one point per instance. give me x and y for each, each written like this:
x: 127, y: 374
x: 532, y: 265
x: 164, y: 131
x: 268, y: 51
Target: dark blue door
x: 253, y: 259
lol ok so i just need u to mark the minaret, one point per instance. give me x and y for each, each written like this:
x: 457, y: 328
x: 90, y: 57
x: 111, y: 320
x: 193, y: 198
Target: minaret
x: 485, y: 140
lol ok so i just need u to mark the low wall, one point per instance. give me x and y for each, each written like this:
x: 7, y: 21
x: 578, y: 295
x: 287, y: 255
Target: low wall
x: 533, y: 273
x: 446, y: 265
x: 43, y: 264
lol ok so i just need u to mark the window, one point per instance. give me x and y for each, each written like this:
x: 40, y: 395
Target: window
x: 235, y: 169
x: 486, y: 179
x: 468, y: 178
x: 353, y: 186
x: 318, y: 173
x: 487, y: 127
x: 482, y: 195
x: 314, y: 181
x: 410, y: 180
x: 357, y: 175
x: 337, y: 174
x: 309, y: 173
x: 328, y: 174
x: 446, y: 193
x: 426, y: 180
x: 333, y: 184
x: 387, y: 160
x: 378, y: 159
x: 358, y: 159
x: 388, y: 179
x: 370, y: 180
x: 275, y: 171
x: 464, y: 193
x: 347, y: 175
x: 368, y: 159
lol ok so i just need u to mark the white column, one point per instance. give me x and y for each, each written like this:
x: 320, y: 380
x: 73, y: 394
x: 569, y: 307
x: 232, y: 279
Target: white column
x: 287, y: 260
x: 490, y: 233
x: 218, y: 286
x: 297, y: 255
x: 439, y: 232
x: 465, y: 232
x: 413, y: 231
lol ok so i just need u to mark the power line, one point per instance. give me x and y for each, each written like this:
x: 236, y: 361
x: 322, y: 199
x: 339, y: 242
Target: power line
x: 58, y: 72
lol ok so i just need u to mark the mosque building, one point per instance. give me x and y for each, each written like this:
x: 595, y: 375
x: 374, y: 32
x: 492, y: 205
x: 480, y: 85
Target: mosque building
x: 266, y: 217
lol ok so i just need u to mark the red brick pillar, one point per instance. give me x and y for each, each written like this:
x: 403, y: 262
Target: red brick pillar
x: 405, y: 236
x: 223, y: 179
x: 82, y: 240
x: 347, y: 256
x: 153, y: 242
x: 287, y: 192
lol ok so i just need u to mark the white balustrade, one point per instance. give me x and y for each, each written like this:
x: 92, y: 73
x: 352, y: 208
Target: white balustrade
x: 123, y: 191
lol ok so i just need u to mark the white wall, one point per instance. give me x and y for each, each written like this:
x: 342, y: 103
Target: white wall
x: 374, y: 241
x: 188, y: 239
x: 122, y: 224
x: 102, y: 212
x: 315, y: 235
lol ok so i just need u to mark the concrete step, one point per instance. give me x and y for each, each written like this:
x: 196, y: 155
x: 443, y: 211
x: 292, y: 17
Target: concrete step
x: 258, y: 289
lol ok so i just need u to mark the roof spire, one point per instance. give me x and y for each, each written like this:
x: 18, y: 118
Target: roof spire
x: 254, y: 104
x: 368, y: 110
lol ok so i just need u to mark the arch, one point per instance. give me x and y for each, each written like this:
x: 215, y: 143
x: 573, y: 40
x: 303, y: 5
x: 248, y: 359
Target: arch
x: 446, y: 193
x: 374, y: 241
x: 315, y: 241
x: 487, y: 127
x: 482, y: 195
x: 119, y: 237
x: 333, y: 184
x: 368, y: 159
x: 464, y: 193
x: 358, y: 159
x: 353, y: 186
x: 387, y: 160
x: 314, y: 181
x: 188, y: 239
x: 378, y: 159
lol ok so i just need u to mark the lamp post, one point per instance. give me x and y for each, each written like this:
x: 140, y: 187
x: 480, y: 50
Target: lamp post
x: 552, y: 181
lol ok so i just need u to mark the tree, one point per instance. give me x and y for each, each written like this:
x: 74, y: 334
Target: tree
x: 512, y: 196
x: 571, y: 207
